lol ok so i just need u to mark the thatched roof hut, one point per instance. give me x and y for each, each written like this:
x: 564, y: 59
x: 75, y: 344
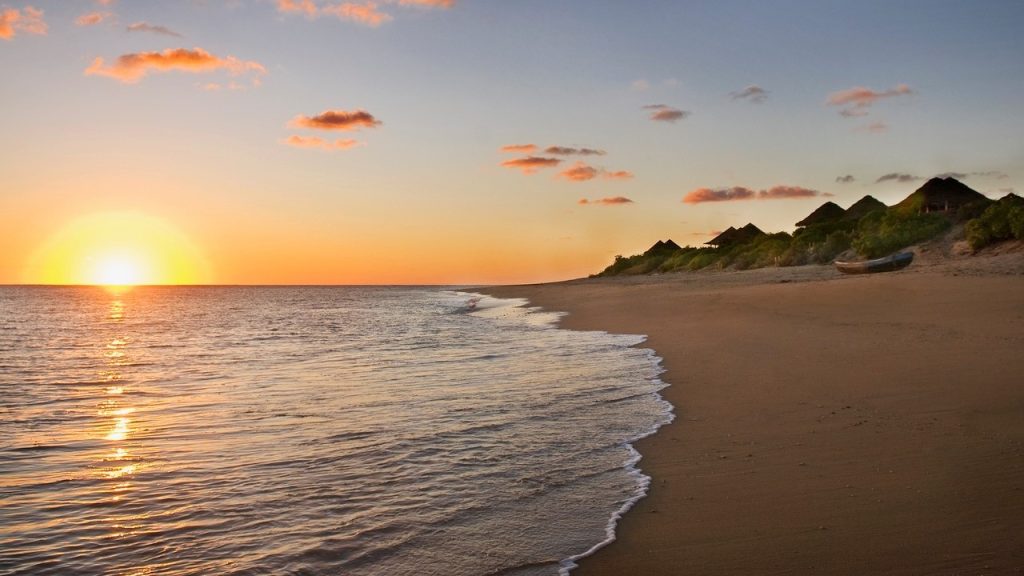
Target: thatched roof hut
x: 940, y: 195
x: 733, y: 236
x: 863, y: 207
x: 827, y: 212
x: 659, y: 247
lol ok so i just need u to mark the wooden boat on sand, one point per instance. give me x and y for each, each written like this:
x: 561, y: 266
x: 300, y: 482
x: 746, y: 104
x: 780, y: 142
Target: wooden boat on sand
x: 892, y: 262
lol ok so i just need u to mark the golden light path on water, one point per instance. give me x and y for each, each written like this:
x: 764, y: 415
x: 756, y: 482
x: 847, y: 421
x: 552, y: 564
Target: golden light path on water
x: 359, y: 431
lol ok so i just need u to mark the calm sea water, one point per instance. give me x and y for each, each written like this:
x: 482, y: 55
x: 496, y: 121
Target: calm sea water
x: 383, y: 431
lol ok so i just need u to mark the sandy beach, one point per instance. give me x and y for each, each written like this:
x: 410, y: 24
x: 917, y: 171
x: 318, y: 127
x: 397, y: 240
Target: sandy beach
x: 826, y: 424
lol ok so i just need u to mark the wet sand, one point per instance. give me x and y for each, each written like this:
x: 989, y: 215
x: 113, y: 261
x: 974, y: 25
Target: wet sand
x: 826, y: 424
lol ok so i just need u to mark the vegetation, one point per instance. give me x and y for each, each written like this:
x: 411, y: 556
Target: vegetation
x: 867, y: 228
x: 1002, y: 220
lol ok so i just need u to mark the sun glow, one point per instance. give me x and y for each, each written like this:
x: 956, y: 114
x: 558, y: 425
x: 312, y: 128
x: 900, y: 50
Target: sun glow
x: 118, y: 249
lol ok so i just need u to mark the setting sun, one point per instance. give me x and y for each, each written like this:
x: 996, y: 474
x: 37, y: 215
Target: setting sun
x: 118, y: 249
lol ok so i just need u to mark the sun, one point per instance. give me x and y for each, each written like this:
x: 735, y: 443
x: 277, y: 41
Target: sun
x: 118, y: 249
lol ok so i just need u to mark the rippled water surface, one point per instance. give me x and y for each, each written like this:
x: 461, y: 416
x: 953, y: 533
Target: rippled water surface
x: 384, y: 431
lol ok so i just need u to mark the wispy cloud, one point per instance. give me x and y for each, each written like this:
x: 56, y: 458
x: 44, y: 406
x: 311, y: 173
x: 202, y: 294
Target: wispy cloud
x: 366, y: 13
x: 845, y: 179
x: 582, y: 172
x: 640, y: 85
x: 92, y: 18
x: 531, y: 164
x: 896, y: 177
x: 520, y: 148
x: 738, y: 193
x: 609, y: 201
x: 874, y: 128
x: 964, y: 175
x: 341, y: 120
x: 618, y: 175
x: 428, y: 3
x: 153, y: 29
x: 314, y: 142
x: 307, y: 7
x: 566, y: 151
x: 130, y: 68
x: 752, y: 93
x: 665, y: 113
x: 28, y: 20
x: 855, y: 101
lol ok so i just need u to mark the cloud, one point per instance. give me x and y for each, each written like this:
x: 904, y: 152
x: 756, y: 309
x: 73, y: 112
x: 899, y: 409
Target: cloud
x: 366, y: 13
x: 610, y: 201
x: 963, y: 175
x: 146, y: 27
x: 736, y: 193
x: 314, y: 142
x: 896, y: 177
x: 531, y: 164
x: 520, y: 148
x: 30, y: 21
x: 752, y: 93
x: 565, y: 151
x: 307, y: 7
x: 640, y: 85
x: 618, y: 175
x: 579, y: 172
x: 342, y: 120
x: 1007, y: 190
x: 130, y: 68
x: 665, y: 113
x: 429, y: 3
x: 855, y: 101
x: 582, y: 172
x: 782, y: 192
x: 845, y: 179
x: 92, y: 18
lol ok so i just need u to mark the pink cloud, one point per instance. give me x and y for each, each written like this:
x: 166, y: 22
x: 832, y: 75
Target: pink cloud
x: 665, y: 113
x: 855, y: 101
x: 618, y: 175
x: 430, y: 3
x: 341, y: 120
x: 780, y: 192
x: 92, y: 18
x: 610, y: 201
x: 700, y: 195
x: 520, y: 148
x: 531, y: 164
x: 314, y: 142
x: 366, y: 13
x: 30, y: 21
x: 579, y: 172
x: 306, y: 7
x: 738, y: 193
x: 130, y: 68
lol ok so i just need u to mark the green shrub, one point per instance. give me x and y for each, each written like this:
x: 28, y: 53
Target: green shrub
x: 882, y: 233
x: 1003, y: 220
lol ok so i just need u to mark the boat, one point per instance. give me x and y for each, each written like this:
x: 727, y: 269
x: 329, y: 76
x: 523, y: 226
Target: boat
x: 892, y: 262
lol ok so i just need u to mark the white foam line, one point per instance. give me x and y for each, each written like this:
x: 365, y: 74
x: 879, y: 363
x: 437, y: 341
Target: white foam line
x: 643, y: 481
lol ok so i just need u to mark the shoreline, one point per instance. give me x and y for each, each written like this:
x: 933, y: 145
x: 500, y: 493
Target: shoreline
x: 823, y: 424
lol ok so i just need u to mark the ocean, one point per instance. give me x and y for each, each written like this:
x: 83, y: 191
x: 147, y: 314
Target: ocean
x: 311, y: 430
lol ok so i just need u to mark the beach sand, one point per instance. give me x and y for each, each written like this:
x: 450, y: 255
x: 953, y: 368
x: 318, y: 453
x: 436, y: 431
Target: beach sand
x: 825, y: 424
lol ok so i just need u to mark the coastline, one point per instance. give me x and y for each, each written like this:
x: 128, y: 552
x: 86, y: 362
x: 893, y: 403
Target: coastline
x: 824, y: 424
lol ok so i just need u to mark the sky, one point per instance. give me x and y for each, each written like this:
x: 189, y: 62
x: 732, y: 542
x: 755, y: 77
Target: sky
x: 474, y: 141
